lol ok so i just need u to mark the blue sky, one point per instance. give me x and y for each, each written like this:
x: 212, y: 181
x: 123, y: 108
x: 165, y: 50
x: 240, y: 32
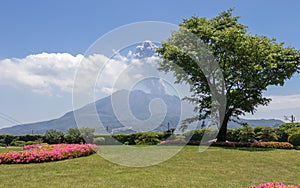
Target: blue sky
x: 60, y: 31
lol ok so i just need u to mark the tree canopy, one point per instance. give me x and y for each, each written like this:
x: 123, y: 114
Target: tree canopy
x: 248, y: 63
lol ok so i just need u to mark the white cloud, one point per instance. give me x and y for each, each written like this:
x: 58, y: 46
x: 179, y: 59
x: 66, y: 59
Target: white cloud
x: 51, y: 73
x: 280, y: 106
x: 282, y: 102
x: 42, y: 73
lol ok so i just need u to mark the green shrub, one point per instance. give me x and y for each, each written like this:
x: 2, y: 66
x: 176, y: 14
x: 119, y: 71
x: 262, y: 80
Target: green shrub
x: 246, y: 134
x: 30, y: 137
x: 233, y: 135
x: 54, y: 137
x: 122, y: 138
x: 108, y: 139
x: 99, y: 141
x: 32, y: 142
x: 18, y: 143
x: 265, y: 134
x: 147, y: 138
x: 73, y: 136
x: 87, y: 134
x: 196, y: 136
x: 295, y: 139
x: 284, y: 131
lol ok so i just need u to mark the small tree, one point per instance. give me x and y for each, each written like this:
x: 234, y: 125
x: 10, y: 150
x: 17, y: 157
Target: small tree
x: 53, y: 137
x: 73, y: 136
x: 8, y: 139
x: 87, y: 134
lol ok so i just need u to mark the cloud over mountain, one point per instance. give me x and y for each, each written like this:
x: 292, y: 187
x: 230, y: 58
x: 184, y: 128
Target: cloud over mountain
x: 41, y: 73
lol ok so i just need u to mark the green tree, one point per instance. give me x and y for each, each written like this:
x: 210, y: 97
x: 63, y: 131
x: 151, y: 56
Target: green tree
x: 8, y: 139
x: 73, y: 136
x: 53, y: 136
x: 249, y: 64
x: 87, y: 134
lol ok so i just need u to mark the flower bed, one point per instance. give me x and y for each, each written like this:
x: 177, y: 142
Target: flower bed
x: 46, y: 153
x: 275, y: 185
x: 276, y: 145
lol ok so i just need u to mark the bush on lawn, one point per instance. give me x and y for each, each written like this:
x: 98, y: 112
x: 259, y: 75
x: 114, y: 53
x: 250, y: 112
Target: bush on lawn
x: 295, y: 139
x: 247, y: 134
x: 265, y: 134
x: 285, y: 130
x: 30, y: 137
x: 195, y: 137
x: 233, y: 134
x: 73, y: 136
x: 147, y: 138
x: 99, y: 141
x: 18, y: 143
x: 53, y: 137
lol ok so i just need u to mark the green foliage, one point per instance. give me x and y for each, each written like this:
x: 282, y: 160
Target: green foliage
x: 54, y: 137
x: 147, y: 138
x: 87, y: 134
x: 30, y: 137
x: 122, y: 138
x: 295, y: 139
x: 265, y: 134
x: 249, y: 64
x: 233, y: 135
x: 285, y: 130
x: 99, y: 141
x: 196, y: 136
x: 18, y: 143
x: 7, y: 139
x: 73, y: 136
x: 246, y: 134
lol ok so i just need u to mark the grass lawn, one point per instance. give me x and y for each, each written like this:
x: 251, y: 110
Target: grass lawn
x: 216, y: 167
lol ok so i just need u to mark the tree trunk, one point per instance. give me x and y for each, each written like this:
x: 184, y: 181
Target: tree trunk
x: 223, y: 129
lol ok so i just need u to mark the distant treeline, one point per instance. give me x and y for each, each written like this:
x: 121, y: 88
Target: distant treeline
x: 285, y: 132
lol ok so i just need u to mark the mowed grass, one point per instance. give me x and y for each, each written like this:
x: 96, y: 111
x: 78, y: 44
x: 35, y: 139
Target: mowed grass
x: 215, y: 167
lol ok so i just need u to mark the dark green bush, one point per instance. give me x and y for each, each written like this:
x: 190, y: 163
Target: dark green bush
x: 197, y: 135
x: 73, y: 136
x: 265, y: 134
x: 30, y: 137
x: 246, y: 134
x: 233, y: 134
x: 284, y: 131
x: 295, y: 139
x: 53, y: 137
x: 147, y: 138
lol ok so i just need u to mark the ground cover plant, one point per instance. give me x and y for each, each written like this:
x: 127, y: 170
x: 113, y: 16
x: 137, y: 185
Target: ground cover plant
x: 216, y: 167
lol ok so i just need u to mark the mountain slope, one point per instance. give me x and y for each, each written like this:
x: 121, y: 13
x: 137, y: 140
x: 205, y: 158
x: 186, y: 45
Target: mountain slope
x: 139, y: 102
